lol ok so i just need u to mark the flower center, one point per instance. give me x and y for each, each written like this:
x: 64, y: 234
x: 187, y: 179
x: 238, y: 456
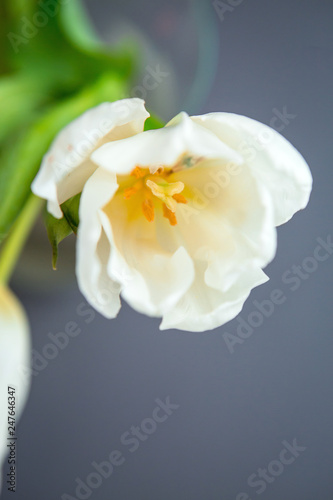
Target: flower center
x: 153, y: 187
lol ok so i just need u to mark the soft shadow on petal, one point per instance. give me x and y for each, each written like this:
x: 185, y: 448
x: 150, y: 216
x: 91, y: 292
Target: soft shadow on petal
x: 93, y: 248
x: 203, y: 308
x: 153, y: 278
x: 228, y: 230
x: 163, y: 147
x: 67, y: 164
x: 14, y: 361
x: 274, y: 161
x: 234, y: 219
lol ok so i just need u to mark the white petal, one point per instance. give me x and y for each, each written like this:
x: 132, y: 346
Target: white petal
x: 229, y: 235
x: 274, y: 162
x: 14, y: 360
x: 93, y: 248
x: 203, y: 308
x: 153, y: 279
x: 67, y: 165
x: 163, y: 147
x: 234, y: 220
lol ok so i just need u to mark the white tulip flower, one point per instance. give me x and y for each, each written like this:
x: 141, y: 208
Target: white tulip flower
x: 14, y: 367
x: 180, y: 220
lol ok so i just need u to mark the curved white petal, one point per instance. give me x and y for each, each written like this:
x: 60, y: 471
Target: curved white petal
x: 274, y: 162
x: 229, y: 232
x: 231, y: 181
x: 14, y: 360
x: 163, y: 146
x: 152, y: 277
x: 67, y: 164
x: 233, y: 220
x: 93, y: 248
x: 204, y: 308
x: 227, y: 228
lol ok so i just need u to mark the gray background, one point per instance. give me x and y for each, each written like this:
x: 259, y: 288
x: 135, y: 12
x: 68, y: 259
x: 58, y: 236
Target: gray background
x: 234, y: 409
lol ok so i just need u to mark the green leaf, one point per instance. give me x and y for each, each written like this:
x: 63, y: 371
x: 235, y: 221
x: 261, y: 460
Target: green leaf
x: 70, y: 210
x: 57, y: 230
x: 12, y: 248
x: 19, y: 8
x: 55, y: 55
x: 78, y: 27
x: 20, y: 95
x: 20, y: 164
x: 65, y: 50
x: 54, y: 62
x: 153, y: 122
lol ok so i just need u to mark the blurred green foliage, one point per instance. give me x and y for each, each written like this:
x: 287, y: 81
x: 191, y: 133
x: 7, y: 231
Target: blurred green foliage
x: 53, y: 67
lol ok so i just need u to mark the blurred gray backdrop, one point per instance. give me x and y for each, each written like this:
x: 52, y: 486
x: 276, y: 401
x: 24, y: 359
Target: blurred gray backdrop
x: 247, y: 420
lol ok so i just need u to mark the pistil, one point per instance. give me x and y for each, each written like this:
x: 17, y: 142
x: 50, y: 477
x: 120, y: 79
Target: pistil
x: 152, y: 186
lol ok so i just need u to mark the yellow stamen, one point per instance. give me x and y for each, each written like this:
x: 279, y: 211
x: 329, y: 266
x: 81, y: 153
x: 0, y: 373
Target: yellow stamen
x: 148, y: 210
x: 150, y: 183
x: 129, y: 192
x: 179, y: 198
x: 138, y: 172
x: 168, y: 214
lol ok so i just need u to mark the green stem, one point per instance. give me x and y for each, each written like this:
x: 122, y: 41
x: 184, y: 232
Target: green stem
x: 17, y: 237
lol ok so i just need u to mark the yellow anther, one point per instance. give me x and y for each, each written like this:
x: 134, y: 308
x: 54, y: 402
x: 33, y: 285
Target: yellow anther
x: 168, y: 214
x: 179, y: 198
x: 147, y: 184
x: 148, y: 210
x: 138, y: 172
x: 129, y: 192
